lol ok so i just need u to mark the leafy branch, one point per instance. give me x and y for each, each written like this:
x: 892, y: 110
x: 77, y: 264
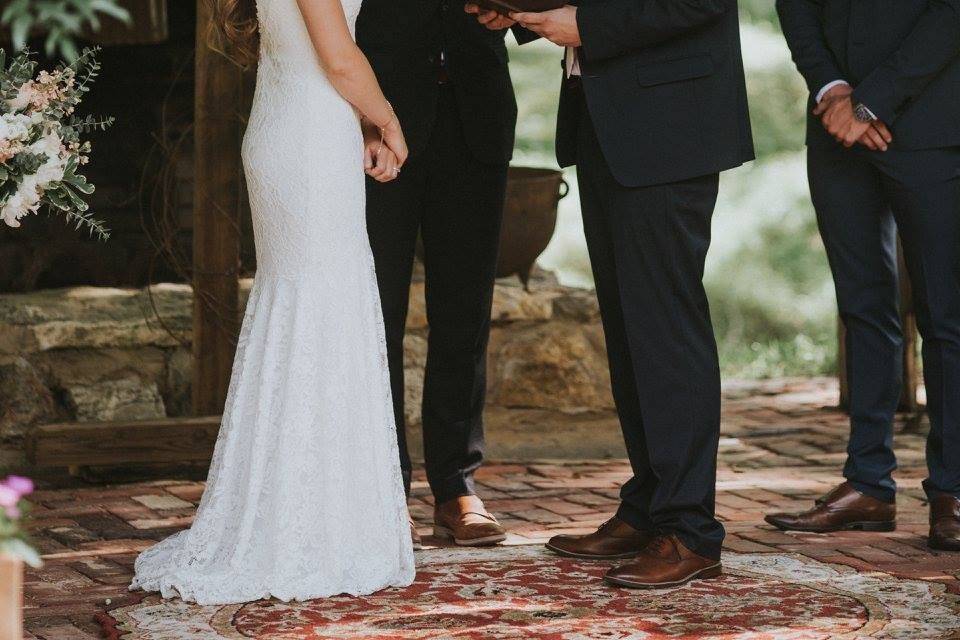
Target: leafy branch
x: 63, y: 21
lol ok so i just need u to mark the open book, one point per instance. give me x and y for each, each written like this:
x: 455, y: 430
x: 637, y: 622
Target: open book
x: 506, y: 6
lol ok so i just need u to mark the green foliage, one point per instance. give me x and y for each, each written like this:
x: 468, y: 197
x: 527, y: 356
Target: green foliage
x: 13, y: 73
x: 772, y: 303
x: 535, y: 68
x: 759, y: 12
x: 777, y: 110
x: 62, y: 21
x: 13, y: 509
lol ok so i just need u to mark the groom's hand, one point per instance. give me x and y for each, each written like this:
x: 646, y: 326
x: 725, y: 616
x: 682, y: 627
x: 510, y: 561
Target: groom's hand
x: 839, y: 119
x: 488, y: 18
x: 559, y: 26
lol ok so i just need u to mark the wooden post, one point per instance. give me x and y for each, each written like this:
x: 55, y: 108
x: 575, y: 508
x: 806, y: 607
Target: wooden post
x: 908, y: 320
x: 11, y: 598
x: 218, y: 203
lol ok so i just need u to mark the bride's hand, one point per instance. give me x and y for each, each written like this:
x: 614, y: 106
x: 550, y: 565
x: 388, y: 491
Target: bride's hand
x: 379, y: 160
x: 394, y: 139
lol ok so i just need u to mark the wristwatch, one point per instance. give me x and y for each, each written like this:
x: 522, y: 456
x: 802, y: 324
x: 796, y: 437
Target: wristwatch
x: 862, y: 113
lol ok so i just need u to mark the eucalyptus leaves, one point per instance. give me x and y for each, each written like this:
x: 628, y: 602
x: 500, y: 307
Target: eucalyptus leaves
x: 41, y: 150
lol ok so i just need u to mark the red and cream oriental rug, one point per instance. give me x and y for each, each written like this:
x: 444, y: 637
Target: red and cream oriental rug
x: 528, y: 593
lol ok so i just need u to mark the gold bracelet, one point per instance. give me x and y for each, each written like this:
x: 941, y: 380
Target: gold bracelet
x: 393, y: 116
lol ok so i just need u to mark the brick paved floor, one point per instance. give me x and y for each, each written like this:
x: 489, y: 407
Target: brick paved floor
x: 782, y: 446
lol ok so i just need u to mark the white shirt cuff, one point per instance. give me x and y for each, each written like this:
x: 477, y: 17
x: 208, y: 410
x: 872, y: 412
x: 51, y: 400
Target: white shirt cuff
x: 572, y: 61
x: 828, y: 86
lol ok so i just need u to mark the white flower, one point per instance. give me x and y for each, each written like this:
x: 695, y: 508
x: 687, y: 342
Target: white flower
x: 15, y: 126
x: 26, y: 200
x: 31, y: 189
x: 14, y: 209
x: 51, y: 171
x: 49, y: 144
x: 53, y: 167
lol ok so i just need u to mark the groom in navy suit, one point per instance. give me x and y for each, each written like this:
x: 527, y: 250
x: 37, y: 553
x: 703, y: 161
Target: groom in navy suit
x: 884, y: 155
x: 653, y: 107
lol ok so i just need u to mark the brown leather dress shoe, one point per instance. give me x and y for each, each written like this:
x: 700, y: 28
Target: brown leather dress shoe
x: 466, y: 521
x: 614, y: 540
x: 843, y: 509
x: 664, y: 563
x: 944, y: 523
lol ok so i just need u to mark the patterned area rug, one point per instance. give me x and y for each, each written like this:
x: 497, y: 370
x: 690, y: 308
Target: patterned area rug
x: 528, y: 593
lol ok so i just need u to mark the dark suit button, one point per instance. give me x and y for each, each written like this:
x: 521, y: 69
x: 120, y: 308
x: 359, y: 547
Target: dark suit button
x: 431, y: 59
x: 445, y: 6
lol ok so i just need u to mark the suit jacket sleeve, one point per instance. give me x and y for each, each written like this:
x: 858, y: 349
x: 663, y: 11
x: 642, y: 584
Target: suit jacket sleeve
x: 610, y: 29
x: 932, y: 44
x: 802, y: 23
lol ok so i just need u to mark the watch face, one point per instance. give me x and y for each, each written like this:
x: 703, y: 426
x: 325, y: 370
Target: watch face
x: 862, y: 113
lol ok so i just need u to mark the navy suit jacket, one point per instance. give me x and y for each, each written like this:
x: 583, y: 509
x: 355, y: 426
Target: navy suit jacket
x: 664, y: 86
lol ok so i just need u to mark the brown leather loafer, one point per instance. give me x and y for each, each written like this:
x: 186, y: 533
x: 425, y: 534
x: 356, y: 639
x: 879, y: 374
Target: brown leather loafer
x: 614, y: 540
x: 466, y: 521
x: 843, y: 509
x: 665, y: 562
x: 944, y: 523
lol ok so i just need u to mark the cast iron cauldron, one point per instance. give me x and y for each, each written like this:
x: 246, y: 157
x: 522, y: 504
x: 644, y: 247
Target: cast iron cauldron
x: 529, y: 218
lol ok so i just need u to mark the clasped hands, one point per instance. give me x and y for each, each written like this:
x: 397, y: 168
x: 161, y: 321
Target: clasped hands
x: 559, y: 26
x: 384, y: 150
x: 836, y: 112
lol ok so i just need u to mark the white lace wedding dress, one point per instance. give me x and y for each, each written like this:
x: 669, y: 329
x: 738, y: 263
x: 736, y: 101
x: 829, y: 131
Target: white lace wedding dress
x: 304, y: 498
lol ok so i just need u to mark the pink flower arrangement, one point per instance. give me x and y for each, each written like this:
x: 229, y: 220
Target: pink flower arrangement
x: 13, y: 540
x: 37, y: 95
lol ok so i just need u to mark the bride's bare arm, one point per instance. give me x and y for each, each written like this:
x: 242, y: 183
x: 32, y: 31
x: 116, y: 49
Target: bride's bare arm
x: 348, y: 69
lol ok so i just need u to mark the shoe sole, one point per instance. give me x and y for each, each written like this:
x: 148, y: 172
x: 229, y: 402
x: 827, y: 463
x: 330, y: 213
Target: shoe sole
x: 943, y: 546
x: 587, y: 556
x: 447, y: 534
x: 850, y: 526
x: 708, y: 573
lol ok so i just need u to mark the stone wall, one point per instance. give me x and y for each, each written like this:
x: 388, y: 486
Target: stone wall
x: 93, y: 354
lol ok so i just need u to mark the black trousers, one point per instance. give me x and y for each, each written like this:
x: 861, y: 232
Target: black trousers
x: 862, y: 198
x: 456, y: 204
x: 647, y: 247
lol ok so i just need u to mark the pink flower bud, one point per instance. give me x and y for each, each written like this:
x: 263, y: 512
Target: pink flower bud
x: 23, y: 486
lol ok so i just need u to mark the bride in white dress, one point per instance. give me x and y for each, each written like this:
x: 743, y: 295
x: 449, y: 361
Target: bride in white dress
x: 304, y: 498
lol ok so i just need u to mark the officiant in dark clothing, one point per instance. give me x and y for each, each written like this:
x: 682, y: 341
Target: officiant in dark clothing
x: 892, y: 67
x: 448, y: 81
